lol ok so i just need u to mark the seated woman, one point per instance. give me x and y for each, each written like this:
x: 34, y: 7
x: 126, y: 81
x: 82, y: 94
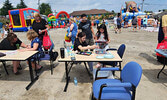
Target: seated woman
x: 81, y: 45
x: 11, y: 42
x: 36, y: 44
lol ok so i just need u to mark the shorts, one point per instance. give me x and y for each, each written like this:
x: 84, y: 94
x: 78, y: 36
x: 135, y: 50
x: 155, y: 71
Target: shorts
x: 119, y: 26
x: 144, y: 25
x: 1, y: 30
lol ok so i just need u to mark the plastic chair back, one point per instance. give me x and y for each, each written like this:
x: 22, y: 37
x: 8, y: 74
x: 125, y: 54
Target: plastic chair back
x: 121, y: 50
x: 132, y: 73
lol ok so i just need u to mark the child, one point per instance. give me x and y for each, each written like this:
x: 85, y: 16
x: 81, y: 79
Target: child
x: 81, y: 45
x: 36, y: 45
x: 102, y: 36
x: 67, y: 36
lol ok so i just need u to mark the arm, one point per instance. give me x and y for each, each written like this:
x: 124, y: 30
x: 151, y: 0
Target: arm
x: 35, y: 46
x: 71, y: 27
x: 92, y: 32
x: 164, y: 26
x: 23, y: 45
x: 87, y: 47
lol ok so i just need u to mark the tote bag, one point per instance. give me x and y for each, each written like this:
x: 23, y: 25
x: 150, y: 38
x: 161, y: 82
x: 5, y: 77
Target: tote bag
x: 46, y: 41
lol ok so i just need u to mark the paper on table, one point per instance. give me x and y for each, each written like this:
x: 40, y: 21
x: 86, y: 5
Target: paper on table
x: 11, y: 52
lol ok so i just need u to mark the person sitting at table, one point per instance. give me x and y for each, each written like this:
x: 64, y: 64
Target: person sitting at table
x: 81, y: 45
x: 102, y: 36
x: 103, y: 39
x: 12, y: 42
x: 36, y: 45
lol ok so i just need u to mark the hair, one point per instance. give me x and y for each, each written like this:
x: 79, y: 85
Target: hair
x: 31, y: 35
x: 37, y: 15
x: 81, y: 34
x: 72, y: 19
x: 10, y: 37
x: 119, y: 14
x: 83, y: 15
x: 103, y: 26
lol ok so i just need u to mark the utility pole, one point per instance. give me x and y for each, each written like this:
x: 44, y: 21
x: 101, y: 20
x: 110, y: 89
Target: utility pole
x: 142, y: 5
x: 38, y: 4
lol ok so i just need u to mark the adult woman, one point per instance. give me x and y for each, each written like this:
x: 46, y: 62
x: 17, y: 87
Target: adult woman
x: 11, y: 42
x: 40, y: 25
x: 81, y: 45
x: 73, y: 29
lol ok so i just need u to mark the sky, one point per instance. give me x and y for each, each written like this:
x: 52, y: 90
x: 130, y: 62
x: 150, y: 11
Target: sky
x: 75, y: 5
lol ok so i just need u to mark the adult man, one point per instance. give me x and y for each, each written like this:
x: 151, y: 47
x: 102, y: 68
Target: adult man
x: 86, y: 27
x: 1, y: 30
x: 119, y: 21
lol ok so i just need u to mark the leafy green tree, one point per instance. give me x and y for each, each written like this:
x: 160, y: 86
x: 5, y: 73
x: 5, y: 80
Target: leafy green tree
x: 6, y: 6
x: 45, y: 9
x: 21, y: 5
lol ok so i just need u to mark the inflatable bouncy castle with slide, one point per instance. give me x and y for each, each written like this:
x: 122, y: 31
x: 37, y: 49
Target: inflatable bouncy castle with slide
x: 59, y: 20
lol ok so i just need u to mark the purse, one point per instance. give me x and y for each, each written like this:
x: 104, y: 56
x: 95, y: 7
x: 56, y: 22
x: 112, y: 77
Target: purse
x: 46, y: 41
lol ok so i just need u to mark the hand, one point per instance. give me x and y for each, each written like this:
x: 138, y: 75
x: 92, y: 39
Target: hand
x: 28, y: 47
x: 21, y: 50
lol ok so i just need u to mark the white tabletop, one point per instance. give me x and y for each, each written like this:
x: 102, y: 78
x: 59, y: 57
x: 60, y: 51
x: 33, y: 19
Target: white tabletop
x: 17, y: 55
x: 92, y: 58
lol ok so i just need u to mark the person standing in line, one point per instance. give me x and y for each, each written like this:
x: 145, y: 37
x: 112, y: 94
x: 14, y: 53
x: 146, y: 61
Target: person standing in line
x: 119, y: 21
x: 134, y: 23
x: 85, y: 26
x: 139, y: 22
x: 145, y: 22
x: 1, y: 30
x: 115, y: 24
x: 73, y: 30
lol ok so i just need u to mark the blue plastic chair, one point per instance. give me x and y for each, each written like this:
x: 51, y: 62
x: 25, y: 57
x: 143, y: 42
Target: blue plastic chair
x: 50, y: 56
x: 115, y: 89
x: 120, y: 52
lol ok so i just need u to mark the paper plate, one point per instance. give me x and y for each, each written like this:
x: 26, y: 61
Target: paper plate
x: 99, y: 57
x: 108, y: 56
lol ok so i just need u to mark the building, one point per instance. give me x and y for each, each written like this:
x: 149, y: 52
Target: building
x: 92, y: 12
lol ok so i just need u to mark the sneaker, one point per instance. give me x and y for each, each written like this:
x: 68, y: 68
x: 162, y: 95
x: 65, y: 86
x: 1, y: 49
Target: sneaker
x: 17, y: 73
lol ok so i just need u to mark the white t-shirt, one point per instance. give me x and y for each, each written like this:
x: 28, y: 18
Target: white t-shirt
x: 115, y: 20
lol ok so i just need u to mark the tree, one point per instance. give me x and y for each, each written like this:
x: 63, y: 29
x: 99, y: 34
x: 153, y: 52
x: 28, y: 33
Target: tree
x: 6, y: 6
x: 45, y: 9
x: 21, y: 5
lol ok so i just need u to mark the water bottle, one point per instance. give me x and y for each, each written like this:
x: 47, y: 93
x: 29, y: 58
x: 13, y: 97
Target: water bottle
x: 75, y: 81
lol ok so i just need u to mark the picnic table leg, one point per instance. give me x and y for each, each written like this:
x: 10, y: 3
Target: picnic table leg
x: 33, y: 80
x: 4, y: 65
x: 87, y: 68
x: 67, y: 77
x: 161, y: 69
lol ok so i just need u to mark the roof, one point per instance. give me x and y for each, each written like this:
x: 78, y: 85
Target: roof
x: 161, y: 14
x: 89, y: 12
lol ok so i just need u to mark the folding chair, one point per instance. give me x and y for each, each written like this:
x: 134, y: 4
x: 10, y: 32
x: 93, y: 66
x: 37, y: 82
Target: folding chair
x: 50, y: 56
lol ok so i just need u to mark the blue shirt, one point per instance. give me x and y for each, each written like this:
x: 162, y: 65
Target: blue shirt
x: 145, y: 20
x: 74, y: 30
x: 118, y: 21
x: 68, y: 31
x: 36, y: 40
x: 1, y: 24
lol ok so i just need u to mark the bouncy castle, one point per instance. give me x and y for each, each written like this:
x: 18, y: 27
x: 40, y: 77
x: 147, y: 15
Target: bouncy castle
x: 21, y: 18
x: 59, y: 20
x: 131, y: 10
